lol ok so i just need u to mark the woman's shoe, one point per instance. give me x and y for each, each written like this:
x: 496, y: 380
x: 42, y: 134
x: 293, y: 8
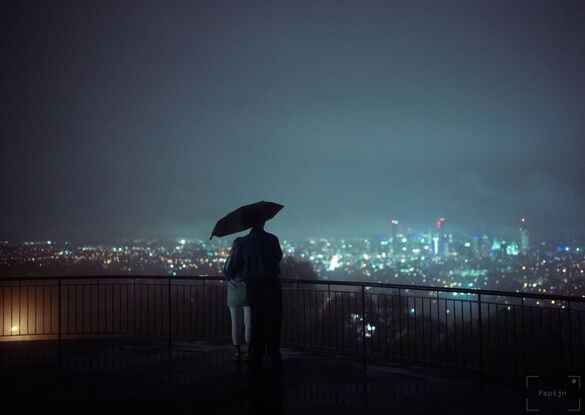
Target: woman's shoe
x: 237, y: 352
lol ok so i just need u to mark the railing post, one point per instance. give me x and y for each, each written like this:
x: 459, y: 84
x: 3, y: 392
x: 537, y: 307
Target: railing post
x: 570, y: 332
x: 480, y: 334
x: 170, y: 320
x: 523, y: 339
x: 170, y: 352
x: 203, y: 323
x: 364, y: 324
x: 59, y: 310
x: 329, y: 302
x: 399, y: 325
x: 439, y: 328
x: 98, y: 305
x: 59, y: 333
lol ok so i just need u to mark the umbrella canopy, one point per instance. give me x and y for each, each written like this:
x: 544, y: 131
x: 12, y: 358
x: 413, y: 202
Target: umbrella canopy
x: 245, y: 217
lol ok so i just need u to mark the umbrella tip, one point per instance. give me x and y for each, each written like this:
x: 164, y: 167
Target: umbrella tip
x: 210, y: 237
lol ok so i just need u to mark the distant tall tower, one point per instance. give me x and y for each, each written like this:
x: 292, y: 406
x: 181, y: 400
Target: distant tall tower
x: 475, y: 245
x: 524, y: 237
x: 394, y: 228
x: 394, y: 248
x: 443, y: 238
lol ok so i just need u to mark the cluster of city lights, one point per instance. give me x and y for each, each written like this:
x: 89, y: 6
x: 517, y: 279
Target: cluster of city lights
x: 434, y: 257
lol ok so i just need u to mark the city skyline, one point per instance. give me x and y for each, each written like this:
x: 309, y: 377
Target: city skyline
x: 432, y: 259
x: 522, y: 229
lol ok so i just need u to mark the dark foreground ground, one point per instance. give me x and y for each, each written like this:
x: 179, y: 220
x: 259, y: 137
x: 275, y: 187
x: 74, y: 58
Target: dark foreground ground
x: 137, y: 376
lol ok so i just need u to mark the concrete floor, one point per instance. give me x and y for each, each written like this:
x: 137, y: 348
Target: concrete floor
x: 137, y: 376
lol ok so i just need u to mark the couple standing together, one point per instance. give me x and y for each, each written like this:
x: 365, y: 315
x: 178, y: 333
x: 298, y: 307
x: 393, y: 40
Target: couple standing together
x: 255, y: 294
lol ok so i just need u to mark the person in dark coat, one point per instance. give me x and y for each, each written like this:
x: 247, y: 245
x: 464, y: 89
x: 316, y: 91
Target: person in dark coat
x: 256, y: 258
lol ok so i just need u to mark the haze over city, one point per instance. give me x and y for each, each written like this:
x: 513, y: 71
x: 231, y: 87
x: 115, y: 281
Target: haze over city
x: 144, y: 119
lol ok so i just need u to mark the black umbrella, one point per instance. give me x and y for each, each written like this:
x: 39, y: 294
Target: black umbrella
x: 245, y: 217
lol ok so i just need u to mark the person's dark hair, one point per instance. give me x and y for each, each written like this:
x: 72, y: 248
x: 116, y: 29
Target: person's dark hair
x: 259, y: 225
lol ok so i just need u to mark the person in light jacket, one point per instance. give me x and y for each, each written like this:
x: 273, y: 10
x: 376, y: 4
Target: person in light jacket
x: 237, y: 301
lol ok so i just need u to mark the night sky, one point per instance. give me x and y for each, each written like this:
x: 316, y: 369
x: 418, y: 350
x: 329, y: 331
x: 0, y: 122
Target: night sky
x: 154, y: 119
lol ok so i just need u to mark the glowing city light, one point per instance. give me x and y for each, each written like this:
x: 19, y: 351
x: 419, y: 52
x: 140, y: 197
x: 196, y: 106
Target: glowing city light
x: 334, y: 263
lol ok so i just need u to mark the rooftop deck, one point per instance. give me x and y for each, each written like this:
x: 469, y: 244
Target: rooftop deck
x: 100, y: 376
x: 161, y: 344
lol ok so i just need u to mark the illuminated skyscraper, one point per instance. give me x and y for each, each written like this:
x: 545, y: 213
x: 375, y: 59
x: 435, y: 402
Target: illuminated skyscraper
x: 475, y: 245
x: 524, y: 237
x: 394, y: 228
x: 436, y: 245
x: 443, y: 248
x: 394, y: 245
x: 496, y: 245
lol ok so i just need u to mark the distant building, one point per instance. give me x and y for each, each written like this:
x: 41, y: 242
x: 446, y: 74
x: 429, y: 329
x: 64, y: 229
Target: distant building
x: 394, y: 232
x: 512, y: 248
x: 475, y: 245
x: 524, y: 237
x: 496, y: 245
x: 444, y: 238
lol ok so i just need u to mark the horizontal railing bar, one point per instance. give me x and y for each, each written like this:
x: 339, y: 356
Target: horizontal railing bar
x: 312, y: 282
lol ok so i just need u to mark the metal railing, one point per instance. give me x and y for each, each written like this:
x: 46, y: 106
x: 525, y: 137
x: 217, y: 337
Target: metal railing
x: 493, y: 331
